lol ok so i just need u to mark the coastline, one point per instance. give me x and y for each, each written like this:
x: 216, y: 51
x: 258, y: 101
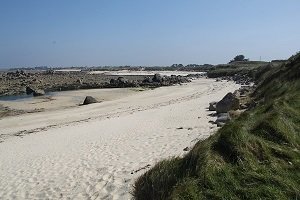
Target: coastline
x: 42, y: 91
x: 87, y: 156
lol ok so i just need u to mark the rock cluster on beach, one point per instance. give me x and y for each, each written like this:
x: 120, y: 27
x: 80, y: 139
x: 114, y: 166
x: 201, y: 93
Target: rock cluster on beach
x: 12, y: 83
x: 155, y: 81
x: 241, y: 79
x: 232, y: 105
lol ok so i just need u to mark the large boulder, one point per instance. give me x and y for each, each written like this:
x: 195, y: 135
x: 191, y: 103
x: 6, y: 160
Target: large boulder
x: 89, y: 100
x: 38, y: 93
x: 157, y: 78
x: 229, y: 102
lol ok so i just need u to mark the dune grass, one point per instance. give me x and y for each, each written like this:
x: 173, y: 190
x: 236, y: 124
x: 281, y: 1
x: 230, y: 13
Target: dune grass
x: 256, y: 156
x: 248, y: 68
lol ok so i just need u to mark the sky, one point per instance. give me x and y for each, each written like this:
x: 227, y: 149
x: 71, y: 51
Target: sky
x: 64, y: 33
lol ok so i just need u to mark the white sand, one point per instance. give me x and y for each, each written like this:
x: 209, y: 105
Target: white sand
x: 89, y: 152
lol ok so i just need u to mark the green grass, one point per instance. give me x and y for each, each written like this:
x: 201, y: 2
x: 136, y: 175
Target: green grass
x: 256, y: 156
x: 248, y: 68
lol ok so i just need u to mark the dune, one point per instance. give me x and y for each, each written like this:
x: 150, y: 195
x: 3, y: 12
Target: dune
x: 98, y: 150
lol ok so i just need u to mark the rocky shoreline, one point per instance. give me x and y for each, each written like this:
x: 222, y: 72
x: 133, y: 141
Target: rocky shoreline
x: 21, y: 82
x: 232, y: 105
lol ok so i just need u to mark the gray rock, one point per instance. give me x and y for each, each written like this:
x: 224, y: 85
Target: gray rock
x: 212, y: 106
x: 220, y: 124
x: 113, y: 81
x: 157, y: 78
x: 89, y: 100
x: 122, y: 80
x: 223, y: 117
x: 229, y: 102
x: 147, y: 80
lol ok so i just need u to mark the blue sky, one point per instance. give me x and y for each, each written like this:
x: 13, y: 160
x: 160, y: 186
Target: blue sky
x: 144, y: 32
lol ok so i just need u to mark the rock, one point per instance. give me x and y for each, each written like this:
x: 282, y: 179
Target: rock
x: 113, y: 81
x: 212, y: 106
x: 89, y: 100
x: 38, y: 93
x: 186, y: 149
x: 122, y: 80
x: 229, y: 102
x: 134, y: 83
x: 147, y: 80
x: 157, y: 78
x: 220, y: 124
x: 29, y: 90
x: 223, y: 117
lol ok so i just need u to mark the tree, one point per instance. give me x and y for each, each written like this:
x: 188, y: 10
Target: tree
x: 239, y: 58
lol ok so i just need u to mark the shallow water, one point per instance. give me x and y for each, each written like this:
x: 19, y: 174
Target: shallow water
x: 21, y: 97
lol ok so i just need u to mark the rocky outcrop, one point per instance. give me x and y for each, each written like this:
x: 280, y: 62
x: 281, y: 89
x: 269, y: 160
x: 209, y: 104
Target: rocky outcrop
x: 89, y: 100
x: 241, y: 79
x: 229, y: 102
x: 232, y: 105
x: 156, y: 81
x: 159, y: 80
x: 121, y: 82
x: 16, y: 82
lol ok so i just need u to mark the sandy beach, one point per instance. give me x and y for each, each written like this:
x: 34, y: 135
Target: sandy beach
x: 97, y: 151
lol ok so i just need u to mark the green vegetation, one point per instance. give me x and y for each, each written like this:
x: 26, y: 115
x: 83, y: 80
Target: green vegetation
x: 248, y: 68
x: 256, y: 156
